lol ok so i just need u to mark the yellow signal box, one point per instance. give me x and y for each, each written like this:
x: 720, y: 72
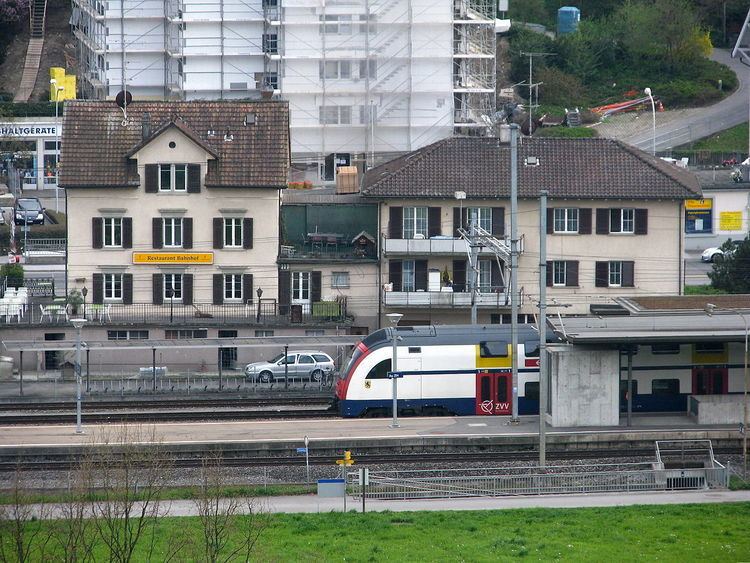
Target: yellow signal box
x: 347, y: 460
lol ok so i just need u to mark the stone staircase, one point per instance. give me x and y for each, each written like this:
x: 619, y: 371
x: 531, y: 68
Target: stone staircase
x: 38, y: 10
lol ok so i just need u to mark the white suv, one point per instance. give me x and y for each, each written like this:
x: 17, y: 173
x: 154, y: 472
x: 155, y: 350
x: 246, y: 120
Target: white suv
x: 312, y: 365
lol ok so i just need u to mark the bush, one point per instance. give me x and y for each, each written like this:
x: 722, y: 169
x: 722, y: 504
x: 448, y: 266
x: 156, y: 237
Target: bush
x: 559, y: 88
x: 566, y: 132
x: 28, y: 109
x: 14, y: 273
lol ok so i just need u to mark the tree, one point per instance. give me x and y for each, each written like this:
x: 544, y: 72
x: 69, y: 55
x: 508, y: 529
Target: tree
x: 23, y: 536
x: 12, y: 11
x: 732, y: 274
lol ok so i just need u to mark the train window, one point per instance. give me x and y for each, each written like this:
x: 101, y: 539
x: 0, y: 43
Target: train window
x: 709, y: 348
x: 531, y: 390
x: 502, y: 389
x: 380, y: 371
x: 415, y: 350
x: 494, y: 349
x: 665, y: 348
x: 624, y: 389
x: 485, y: 389
x: 665, y: 387
x: 531, y: 348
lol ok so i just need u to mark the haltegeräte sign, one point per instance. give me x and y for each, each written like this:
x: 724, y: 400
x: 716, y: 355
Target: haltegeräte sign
x: 173, y: 257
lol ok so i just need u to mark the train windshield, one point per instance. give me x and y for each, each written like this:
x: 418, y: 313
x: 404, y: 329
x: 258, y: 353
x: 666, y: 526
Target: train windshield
x: 359, y: 350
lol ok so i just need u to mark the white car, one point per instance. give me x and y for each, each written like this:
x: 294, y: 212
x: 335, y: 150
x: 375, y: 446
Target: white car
x: 716, y: 254
x: 312, y: 365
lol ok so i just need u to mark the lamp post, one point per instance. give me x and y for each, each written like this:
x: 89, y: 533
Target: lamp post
x: 259, y: 293
x: 84, y: 292
x: 78, y: 324
x: 170, y: 294
x: 710, y: 308
x: 58, y: 89
x: 647, y: 91
x: 394, y: 318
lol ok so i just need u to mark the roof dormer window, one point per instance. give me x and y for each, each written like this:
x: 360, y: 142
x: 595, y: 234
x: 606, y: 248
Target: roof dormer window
x: 173, y: 177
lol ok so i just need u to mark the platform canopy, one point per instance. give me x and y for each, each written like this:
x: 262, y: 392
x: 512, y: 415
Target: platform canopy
x: 278, y: 342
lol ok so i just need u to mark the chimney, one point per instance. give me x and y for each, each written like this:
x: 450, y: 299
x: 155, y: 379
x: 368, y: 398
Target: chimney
x: 146, y: 125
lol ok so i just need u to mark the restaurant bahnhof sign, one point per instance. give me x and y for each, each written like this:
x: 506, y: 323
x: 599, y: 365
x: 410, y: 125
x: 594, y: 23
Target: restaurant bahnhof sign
x: 173, y: 257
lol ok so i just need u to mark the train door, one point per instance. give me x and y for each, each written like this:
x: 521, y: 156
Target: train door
x: 710, y: 380
x: 493, y: 392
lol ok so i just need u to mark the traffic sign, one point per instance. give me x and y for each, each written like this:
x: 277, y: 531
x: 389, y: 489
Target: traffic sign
x: 395, y: 374
x: 347, y: 460
x: 301, y: 450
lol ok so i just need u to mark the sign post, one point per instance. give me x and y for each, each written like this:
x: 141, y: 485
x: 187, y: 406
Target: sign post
x: 345, y: 462
x: 307, y: 458
x: 364, y: 480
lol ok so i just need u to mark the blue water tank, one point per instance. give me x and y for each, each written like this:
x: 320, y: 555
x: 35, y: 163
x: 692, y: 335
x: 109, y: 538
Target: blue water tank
x: 567, y: 19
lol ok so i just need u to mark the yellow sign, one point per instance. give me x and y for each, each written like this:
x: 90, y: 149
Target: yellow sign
x: 691, y: 204
x: 347, y: 459
x: 173, y: 257
x: 730, y: 221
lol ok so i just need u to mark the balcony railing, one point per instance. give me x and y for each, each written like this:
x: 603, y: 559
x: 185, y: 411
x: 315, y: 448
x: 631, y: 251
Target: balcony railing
x: 268, y: 312
x: 444, y: 299
x: 323, y: 251
x: 436, y: 245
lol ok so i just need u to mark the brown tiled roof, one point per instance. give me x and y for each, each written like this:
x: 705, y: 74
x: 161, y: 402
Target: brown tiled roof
x: 95, y: 143
x: 180, y: 125
x: 652, y: 303
x: 569, y: 168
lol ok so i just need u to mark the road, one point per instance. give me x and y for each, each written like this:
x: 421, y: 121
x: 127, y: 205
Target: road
x: 678, y: 127
x: 696, y: 271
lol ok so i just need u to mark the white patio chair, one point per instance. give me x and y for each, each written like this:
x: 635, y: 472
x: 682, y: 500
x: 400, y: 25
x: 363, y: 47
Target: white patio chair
x: 44, y: 311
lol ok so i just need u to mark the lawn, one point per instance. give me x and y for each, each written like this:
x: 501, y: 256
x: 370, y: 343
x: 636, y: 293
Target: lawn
x: 710, y: 532
x: 733, y: 139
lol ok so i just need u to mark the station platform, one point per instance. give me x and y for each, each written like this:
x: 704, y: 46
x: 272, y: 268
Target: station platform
x: 338, y: 434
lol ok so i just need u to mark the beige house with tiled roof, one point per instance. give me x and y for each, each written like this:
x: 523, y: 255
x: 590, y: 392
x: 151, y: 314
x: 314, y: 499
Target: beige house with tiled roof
x: 614, y: 225
x: 175, y: 202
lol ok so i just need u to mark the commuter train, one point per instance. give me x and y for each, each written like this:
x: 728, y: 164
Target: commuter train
x: 466, y: 370
x: 458, y: 370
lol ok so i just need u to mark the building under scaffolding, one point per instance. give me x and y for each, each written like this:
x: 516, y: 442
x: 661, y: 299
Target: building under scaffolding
x: 365, y: 79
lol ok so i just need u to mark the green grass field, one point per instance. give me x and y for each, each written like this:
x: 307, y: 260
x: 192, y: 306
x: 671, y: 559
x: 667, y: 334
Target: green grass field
x: 729, y: 140
x: 713, y: 532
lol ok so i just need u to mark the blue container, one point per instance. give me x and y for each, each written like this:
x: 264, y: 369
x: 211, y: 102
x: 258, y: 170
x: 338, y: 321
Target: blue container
x: 567, y: 19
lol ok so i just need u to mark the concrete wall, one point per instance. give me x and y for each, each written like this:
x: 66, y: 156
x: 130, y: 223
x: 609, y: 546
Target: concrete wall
x: 719, y: 409
x: 584, y: 387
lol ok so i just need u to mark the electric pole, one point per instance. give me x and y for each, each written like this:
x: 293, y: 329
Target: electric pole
x: 542, y: 326
x: 474, y: 265
x: 531, y: 84
x: 514, y: 294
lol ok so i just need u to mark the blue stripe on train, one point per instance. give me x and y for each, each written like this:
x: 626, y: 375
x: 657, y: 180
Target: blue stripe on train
x: 657, y: 403
x: 467, y: 406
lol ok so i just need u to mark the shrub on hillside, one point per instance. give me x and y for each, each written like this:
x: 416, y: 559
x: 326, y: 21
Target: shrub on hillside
x: 566, y: 132
x: 12, y: 11
x: 559, y: 88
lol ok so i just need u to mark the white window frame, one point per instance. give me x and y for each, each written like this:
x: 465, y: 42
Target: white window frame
x: 112, y: 230
x: 262, y: 333
x: 177, y: 227
x: 336, y: 24
x: 485, y: 276
x: 233, y: 228
x: 627, y: 221
x: 565, y: 220
x: 333, y: 70
x: 335, y: 115
x: 172, y: 281
x: 415, y: 222
x: 301, y: 285
x: 559, y: 273
x: 174, y: 171
x: 408, y: 276
x: 339, y: 280
x: 484, y: 217
x: 614, y: 273
x: 232, y: 288
x: 110, y: 290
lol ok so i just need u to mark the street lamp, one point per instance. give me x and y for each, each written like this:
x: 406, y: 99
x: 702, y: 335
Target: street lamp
x: 647, y: 91
x: 259, y: 293
x: 710, y: 309
x: 394, y: 318
x: 84, y: 292
x: 170, y: 294
x: 78, y: 324
x: 58, y: 89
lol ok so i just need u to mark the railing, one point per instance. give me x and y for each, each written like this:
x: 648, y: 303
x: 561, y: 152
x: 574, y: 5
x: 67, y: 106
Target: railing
x: 45, y: 245
x: 324, y: 251
x: 496, y: 298
x: 204, y: 314
x: 38, y: 287
x: 493, y: 482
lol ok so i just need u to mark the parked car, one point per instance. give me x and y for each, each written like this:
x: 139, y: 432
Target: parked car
x: 716, y: 254
x: 28, y: 210
x: 312, y: 365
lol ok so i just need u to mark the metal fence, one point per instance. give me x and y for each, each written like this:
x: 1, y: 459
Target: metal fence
x: 497, y: 482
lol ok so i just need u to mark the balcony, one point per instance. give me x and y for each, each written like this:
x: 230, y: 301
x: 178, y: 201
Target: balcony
x: 434, y: 246
x: 445, y: 299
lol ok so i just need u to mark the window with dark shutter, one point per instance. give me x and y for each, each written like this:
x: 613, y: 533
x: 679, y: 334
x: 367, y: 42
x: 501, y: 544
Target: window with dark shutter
x: 549, y: 273
x: 247, y: 288
x: 151, y: 185
x: 498, y: 221
x: 315, y: 286
x: 550, y: 221
x: 218, y: 289
x: 218, y: 232
x: 641, y: 221
x: 156, y: 232
x: 187, y: 232
x: 628, y: 274
x: 615, y: 220
x: 396, y: 222
x: 433, y: 222
x: 194, y: 178
x: 395, y: 269
x: 602, y: 221
x: 571, y: 273
x: 420, y: 275
x: 127, y: 289
x: 97, y: 232
x: 127, y: 232
x: 157, y: 286
x: 584, y: 221
x: 601, y: 274
x: 187, y: 289
x: 459, y: 275
x: 247, y: 232
x: 285, y: 291
x: 98, y: 297
x: 456, y: 221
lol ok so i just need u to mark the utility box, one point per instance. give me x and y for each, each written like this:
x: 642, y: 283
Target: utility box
x: 347, y: 181
x: 331, y: 488
x: 568, y: 18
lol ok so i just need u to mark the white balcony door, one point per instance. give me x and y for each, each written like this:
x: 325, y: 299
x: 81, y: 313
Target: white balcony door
x: 301, y: 290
